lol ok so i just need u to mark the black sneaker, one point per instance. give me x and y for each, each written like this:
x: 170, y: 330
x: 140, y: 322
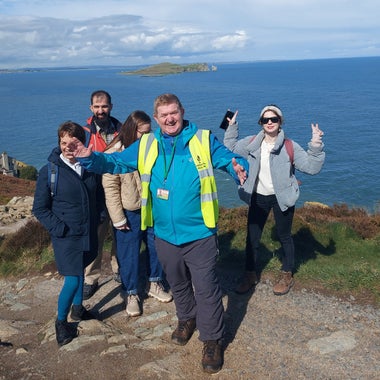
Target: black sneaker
x: 80, y: 313
x: 89, y: 290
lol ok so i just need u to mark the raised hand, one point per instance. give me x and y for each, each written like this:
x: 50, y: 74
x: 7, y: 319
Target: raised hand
x: 316, y: 137
x: 232, y: 120
x: 79, y: 150
x: 239, y: 170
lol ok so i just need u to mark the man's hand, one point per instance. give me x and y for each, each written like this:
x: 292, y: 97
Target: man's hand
x: 79, y: 150
x: 240, y: 171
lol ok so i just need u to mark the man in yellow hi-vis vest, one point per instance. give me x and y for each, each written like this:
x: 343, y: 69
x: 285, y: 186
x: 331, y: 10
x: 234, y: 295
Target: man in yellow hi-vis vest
x: 179, y: 199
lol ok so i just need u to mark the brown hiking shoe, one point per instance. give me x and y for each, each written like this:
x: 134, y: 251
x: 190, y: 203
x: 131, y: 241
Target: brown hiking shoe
x: 182, y: 334
x: 249, y: 281
x: 284, y: 284
x: 212, y: 360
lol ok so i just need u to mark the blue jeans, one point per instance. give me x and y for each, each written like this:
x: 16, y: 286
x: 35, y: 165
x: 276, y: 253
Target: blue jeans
x: 258, y: 213
x: 128, y: 244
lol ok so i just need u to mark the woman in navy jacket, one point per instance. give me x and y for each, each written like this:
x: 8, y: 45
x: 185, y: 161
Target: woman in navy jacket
x: 68, y: 209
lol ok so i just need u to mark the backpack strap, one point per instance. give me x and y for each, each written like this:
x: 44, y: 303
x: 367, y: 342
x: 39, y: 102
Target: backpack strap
x: 52, y: 178
x: 290, y: 149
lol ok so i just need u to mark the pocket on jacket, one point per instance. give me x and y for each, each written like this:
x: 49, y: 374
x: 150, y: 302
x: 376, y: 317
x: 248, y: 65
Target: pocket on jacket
x: 76, y: 231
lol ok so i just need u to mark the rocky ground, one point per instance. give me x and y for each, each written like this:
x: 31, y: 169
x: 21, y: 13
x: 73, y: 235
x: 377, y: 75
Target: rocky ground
x: 302, y: 335
x: 15, y: 214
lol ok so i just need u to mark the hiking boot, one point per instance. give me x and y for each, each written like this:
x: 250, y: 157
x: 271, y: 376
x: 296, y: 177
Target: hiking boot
x: 248, y: 282
x: 116, y: 277
x: 89, y: 290
x: 133, y: 305
x: 284, y: 284
x: 64, y: 332
x: 212, y: 360
x: 182, y: 334
x: 157, y: 291
x: 80, y: 313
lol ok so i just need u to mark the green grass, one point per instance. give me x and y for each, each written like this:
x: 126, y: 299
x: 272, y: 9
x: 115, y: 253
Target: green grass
x: 332, y: 255
x: 337, y: 250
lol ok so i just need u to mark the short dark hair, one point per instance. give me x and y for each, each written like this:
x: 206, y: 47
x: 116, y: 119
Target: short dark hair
x: 73, y: 130
x: 100, y: 93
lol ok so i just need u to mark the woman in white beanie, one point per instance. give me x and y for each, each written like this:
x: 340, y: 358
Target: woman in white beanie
x: 271, y: 185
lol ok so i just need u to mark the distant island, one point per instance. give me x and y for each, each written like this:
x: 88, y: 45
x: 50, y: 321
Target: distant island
x: 167, y: 68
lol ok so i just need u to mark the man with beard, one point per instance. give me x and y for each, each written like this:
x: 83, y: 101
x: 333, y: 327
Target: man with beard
x: 100, y: 130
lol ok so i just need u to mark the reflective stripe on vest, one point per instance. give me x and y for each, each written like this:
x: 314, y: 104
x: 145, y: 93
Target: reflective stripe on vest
x: 199, y: 146
x: 148, y: 152
x: 200, y: 152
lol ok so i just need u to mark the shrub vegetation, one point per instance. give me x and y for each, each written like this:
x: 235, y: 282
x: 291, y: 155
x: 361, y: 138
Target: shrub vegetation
x: 337, y: 250
x: 13, y: 187
x: 28, y: 172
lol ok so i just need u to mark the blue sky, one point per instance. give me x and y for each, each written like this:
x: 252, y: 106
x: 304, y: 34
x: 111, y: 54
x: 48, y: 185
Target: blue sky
x: 51, y: 33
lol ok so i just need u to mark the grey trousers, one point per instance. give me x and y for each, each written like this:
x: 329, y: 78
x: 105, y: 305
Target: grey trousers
x: 191, y: 273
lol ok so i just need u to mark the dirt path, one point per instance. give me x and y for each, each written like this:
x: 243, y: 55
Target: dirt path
x: 302, y: 335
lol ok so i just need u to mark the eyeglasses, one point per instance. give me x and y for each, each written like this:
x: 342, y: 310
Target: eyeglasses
x: 143, y: 132
x: 274, y: 119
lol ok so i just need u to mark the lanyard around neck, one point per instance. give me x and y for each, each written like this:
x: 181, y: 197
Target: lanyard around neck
x: 167, y: 166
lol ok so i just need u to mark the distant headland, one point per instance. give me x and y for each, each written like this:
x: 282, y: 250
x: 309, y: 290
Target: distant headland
x: 167, y: 68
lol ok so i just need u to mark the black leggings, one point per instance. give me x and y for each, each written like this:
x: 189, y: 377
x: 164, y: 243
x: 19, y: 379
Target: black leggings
x: 258, y: 212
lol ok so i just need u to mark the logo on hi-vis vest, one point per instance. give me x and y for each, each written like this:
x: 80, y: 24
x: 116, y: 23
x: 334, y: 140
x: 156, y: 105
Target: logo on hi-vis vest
x: 200, y: 164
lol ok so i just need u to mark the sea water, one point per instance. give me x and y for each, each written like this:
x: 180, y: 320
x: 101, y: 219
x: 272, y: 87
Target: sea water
x: 342, y: 95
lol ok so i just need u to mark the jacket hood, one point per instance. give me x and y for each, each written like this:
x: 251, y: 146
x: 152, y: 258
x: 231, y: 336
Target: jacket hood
x: 257, y: 140
x: 54, y: 156
x: 188, y: 131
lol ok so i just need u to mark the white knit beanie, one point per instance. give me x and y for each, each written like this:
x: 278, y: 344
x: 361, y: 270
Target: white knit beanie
x: 275, y: 109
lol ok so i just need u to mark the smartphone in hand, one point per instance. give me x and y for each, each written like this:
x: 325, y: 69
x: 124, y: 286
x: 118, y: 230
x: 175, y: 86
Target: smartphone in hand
x: 225, y: 122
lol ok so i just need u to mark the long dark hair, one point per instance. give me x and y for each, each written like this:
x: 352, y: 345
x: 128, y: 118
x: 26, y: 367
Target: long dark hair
x: 128, y: 131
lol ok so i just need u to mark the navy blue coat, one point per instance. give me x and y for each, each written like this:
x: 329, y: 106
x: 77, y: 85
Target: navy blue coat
x: 71, y: 216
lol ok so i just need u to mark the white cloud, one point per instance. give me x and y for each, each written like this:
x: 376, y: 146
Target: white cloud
x: 237, y: 40
x: 47, y: 32
x: 80, y: 29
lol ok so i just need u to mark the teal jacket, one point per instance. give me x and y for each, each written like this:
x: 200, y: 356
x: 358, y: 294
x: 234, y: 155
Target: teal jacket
x: 177, y: 219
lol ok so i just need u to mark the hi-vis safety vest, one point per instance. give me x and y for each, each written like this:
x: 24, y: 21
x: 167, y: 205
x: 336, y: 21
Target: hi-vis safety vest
x: 199, y: 146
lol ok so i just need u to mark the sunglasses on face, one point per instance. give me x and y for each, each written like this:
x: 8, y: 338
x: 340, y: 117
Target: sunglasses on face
x: 274, y: 119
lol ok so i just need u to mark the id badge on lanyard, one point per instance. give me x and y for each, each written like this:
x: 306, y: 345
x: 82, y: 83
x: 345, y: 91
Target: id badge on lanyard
x: 161, y: 192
